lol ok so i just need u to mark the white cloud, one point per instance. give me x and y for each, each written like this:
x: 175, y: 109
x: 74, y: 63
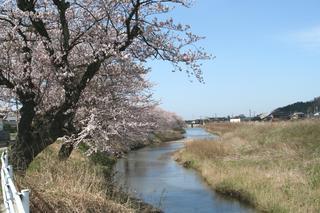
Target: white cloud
x: 308, y: 38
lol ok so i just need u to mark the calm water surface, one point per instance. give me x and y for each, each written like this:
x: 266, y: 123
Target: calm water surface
x: 151, y: 174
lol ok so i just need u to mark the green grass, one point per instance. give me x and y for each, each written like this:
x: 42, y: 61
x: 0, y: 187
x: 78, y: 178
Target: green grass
x: 274, y: 167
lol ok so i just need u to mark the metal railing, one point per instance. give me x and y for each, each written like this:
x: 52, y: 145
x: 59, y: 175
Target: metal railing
x: 14, y: 201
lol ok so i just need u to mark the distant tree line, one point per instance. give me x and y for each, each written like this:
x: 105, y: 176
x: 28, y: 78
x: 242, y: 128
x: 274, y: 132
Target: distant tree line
x: 305, y: 107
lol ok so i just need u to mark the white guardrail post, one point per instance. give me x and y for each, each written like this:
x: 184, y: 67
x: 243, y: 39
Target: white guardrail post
x: 14, y: 201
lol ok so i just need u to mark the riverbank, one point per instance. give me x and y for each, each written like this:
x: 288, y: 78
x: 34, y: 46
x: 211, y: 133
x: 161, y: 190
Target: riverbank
x: 157, y: 137
x: 274, y: 167
x: 79, y: 184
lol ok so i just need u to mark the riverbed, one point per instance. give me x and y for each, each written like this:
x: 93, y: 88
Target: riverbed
x: 152, y: 175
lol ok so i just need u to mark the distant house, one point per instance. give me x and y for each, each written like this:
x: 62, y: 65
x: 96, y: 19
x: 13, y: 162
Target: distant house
x: 255, y: 118
x: 279, y: 115
x: 262, y: 116
x: 11, y: 118
x: 298, y: 115
x: 218, y: 119
x: 4, y: 136
x: 239, y: 118
x: 235, y: 120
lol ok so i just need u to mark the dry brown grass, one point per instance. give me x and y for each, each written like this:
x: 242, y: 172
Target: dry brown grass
x: 222, y: 128
x: 207, y: 149
x: 272, y: 166
x: 75, y: 185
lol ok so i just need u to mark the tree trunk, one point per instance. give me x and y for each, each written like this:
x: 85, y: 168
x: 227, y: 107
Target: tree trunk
x: 34, y: 137
x: 65, y: 151
x: 26, y: 148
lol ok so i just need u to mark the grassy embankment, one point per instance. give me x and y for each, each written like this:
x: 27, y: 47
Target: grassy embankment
x: 82, y: 184
x: 79, y: 184
x: 274, y: 167
x: 169, y: 135
x: 156, y: 137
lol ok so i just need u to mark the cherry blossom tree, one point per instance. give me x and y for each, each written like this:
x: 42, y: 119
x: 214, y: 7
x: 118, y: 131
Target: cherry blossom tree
x: 53, y: 52
x: 117, y: 107
x: 167, y: 120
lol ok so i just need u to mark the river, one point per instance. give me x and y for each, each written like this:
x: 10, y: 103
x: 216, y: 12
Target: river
x: 152, y: 175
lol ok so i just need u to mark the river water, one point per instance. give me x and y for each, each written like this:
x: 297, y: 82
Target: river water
x: 152, y: 175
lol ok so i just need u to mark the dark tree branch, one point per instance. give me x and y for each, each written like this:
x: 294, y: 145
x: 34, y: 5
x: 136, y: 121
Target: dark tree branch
x: 62, y: 6
x: 74, y: 42
x: 29, y: 5
x: 135, y: 30
x: 38, y: 24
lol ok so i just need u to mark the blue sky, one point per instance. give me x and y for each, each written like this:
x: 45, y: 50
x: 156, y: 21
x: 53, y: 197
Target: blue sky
x: 267, y: 55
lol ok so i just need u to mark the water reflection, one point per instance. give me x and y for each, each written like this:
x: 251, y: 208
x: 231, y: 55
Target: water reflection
x: 157, y: 179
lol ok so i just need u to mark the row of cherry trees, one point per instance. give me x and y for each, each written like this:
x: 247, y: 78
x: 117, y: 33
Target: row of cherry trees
x: 77, y: 67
